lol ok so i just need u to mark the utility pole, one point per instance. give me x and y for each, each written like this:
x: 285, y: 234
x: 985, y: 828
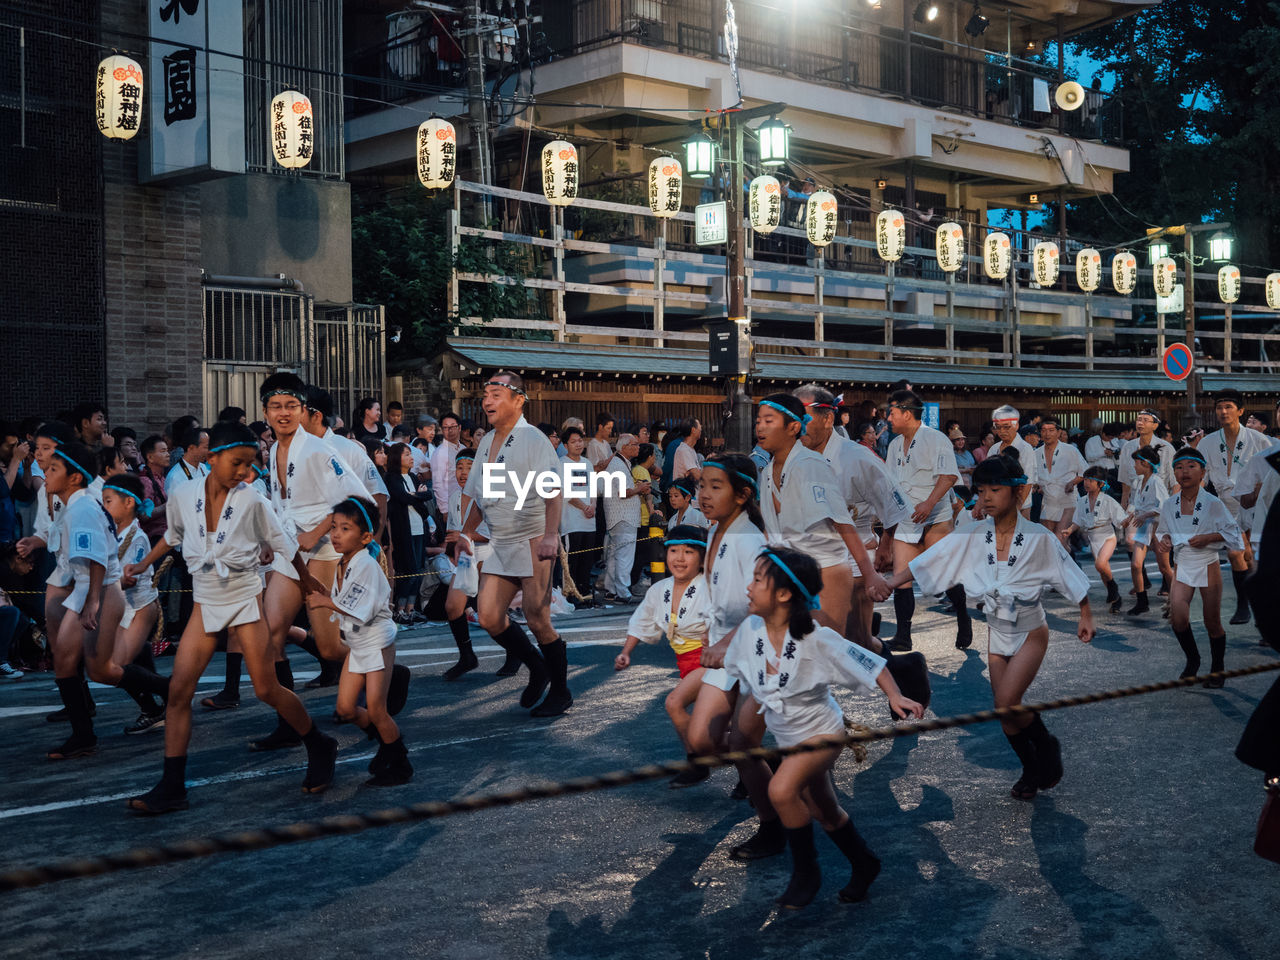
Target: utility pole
x: 1189, y: 314
x: 739, y: 435
x: 478, y: 106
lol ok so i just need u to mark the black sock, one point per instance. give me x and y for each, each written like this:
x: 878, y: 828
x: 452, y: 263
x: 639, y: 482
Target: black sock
x: 308, y: 643
x: 1024, y: 747
x: 461, y: 632
x: 1217, y: 653
x: 175, y: 773
x: 1187, y: 641
x: 1113, y: 592
x: 957, y: 598
x: 75, y: 699
x: 1238, y: 578
x: 136, y: 680
x: 1037, y: 731
x: 144, y: 659
x: 231, y: 687
x: 1142, y: 598
x: 517, y: 643
x: 284, y: 674
x: 556, y: 655
x: 904, y: 607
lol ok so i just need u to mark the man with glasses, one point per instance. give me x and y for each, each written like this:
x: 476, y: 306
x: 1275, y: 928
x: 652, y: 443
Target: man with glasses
x: 1004, y: 424
x: 524, y: 540
x: 1146, y: 425
x: 442, y: 460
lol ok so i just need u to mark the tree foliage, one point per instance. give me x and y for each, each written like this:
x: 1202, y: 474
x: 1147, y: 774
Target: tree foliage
x: 1196, y: 79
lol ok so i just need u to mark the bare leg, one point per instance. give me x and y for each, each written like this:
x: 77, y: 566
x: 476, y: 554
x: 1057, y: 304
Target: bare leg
x: 678, y: 702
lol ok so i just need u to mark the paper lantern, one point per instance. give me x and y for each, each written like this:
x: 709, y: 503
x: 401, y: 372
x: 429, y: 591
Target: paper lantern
x: 1044, y: 261
x: 292, y: 129
x: 1088, y: 269
x: 1229, y: 284
x: 1273, y: 291
x: 1165, y: 276
x: 891, y: 235
x: 665, y: 187
x: 1124, y: 272
x: 997, y: 255
x: 560, y: 173
x: 117, y: 104
x: 949, y: 244
x: 437, y: 153
x: 764, y: 204
x: 820, y: 218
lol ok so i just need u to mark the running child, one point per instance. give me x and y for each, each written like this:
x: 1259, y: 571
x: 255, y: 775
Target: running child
x: 1009, y: 563
x: 222, y: 525
x: 679, y: 607
x: 455, y: 601
x: 788, y: 663
x: 123, y: 499
x: 1146, y: 494
x: 1097, y: 515
x: 1194, y: 523
x: 362, y: 601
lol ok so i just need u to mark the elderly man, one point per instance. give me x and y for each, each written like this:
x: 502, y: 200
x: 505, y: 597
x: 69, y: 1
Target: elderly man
x: 523, y: 537
x: 622, y: 520
x: 1004, y: 424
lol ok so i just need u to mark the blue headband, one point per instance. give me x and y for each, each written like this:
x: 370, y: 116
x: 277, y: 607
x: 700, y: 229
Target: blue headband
x: 686, y: 543
x: 970, y: 504
x: 803, y: 421
x: 238, y: 443
x: 371, y: 546
x: 88, y: 477
x: 810, y: 599
x: 145, y: 507
x: 745, y: 476
x: 465, y: 456
x: 1200, y: 460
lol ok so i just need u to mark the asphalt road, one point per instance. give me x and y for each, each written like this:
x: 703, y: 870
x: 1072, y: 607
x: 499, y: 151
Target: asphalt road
x: 1144, y: 849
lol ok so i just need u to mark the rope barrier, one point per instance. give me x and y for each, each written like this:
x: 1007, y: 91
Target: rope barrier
x: 347, y: 824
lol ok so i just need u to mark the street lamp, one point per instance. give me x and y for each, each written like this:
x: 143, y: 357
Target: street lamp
x: 700, y: 157
x: 926, y: 12
x: 774, y: 141
x: 978, y: 23
x: 1158, y: 250
x: 1220, y: 247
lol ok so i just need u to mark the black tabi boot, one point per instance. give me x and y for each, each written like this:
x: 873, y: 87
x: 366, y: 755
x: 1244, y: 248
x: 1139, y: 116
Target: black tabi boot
x: 283, y: 736
x: 169, y: 794
x: 137, y: 682
x: 904, y: 607
x: 517, y: 644
x: 1025, y: 787
x: 380, y: 757
x: 1238, y: 578
x: 466, y: 656
x: 1141, y: 606
x: 556, y: 656
x: 806, y: 878
x: 769, y: 840
x: 229, y: 696
x: 964, y: 625
x: 398, y: 689
x: 82, y: 742
x: 691, y: 777
x: 1113, y: 596
x: 330, y: 670
x: 1048, y: 754
x: 510, y: 666
x: 322, y: 759
x: 1217, y: 661
x: 396, y: 768
x: 1187, y: 641
x: 865, y: 864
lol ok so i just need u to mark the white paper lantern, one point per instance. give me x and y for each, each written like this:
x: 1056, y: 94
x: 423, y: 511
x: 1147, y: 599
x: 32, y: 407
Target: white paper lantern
x: 1124, y: 272
x: 1045, y: 262
x: 764, y: 204
x: 1088, y: 269
x: 665, y: 186
x: 117, y: 103
x: 437, y: 153
x: 891, y: 235
x: 820, y: 218
x: 949, y: 244
x: 1165, y: 276
x: 997, y: 255
x: 1273, y: 291
x: 1229, y: 284
x: 292, y: 129
x: 560, y: 173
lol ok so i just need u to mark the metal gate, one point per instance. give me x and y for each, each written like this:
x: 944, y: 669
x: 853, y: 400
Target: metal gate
x: 251, y: 334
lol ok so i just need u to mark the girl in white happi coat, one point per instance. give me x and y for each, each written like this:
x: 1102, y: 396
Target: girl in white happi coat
x: 1097, y: 515
x: 1146, y: 494
x: 1194, y: 525
x: 787, y: 663
x: 679, y: 608
x: 1009, y: 563
x: 222, y: 524
x: 361, y: 602
x: 122, y: 497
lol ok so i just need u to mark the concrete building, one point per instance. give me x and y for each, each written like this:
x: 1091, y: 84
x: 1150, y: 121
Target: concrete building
x: 169, y: 273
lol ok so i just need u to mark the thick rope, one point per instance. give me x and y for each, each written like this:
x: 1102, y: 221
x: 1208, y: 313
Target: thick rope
x: 344, y: 825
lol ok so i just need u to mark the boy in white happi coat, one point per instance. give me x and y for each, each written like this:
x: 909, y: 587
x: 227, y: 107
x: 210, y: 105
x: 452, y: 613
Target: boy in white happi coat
x: 1227, y: 452
x: 1147, y: 493
x: 1060, y: 467
x: 1097, y: 516
x: 1194, y: 525
x: 923, y: 462
x: 222, y: 524
x: 525, y: 541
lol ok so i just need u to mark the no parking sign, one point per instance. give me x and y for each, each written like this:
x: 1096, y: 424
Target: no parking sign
x: 1177, y: 361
